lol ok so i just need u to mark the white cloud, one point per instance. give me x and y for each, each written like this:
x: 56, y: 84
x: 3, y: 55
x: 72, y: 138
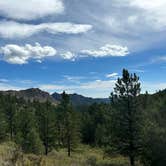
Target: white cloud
x: 137, y: 70
x: 74, y: 78
x: 16, y: 54
x: 140, y: 27
x: 155, y: 12
x: 11, y: 29
x: 112, y: 75
x: 99, y: 84
x: 68, y: 55
x: 148, y: 5
x: 107, y: 50
x: 150, y: 14
x: 30, y: 9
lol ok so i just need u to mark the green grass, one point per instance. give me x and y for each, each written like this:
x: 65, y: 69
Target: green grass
x: 11, y: 155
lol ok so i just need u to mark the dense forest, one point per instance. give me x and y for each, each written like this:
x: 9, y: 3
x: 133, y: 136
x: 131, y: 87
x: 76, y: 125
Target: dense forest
x: 131, y: 125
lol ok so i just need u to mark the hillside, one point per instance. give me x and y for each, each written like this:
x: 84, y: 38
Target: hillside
x: 31, y: 95
x: 42, y: 96
x: 77, y: 99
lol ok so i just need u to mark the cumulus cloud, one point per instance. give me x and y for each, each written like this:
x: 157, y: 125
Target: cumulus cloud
x: 112, y: 75
x: 107, y: 50
x: 30, y: 9
x: 68, y: 55
x: 11, y: 29
x: 16, y: 54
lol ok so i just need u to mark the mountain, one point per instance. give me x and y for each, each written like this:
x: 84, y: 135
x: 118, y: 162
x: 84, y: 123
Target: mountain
x: 77, y: 99
x: 31, y: 94
x: 42, y: 96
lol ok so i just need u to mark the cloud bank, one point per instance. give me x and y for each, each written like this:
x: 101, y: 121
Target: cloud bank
x: 30, y: 9
x: 16, y: 54
x: 11, y: 29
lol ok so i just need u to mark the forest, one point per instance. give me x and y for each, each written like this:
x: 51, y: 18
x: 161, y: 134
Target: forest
x: 129, y: 130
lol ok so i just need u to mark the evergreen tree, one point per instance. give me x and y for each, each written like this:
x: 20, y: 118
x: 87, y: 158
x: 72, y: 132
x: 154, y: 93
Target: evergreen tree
x: 46, y: 122
x: 126, y: 116
x: 69, y: 123
x: 3, y: 126
x: 10, y: 110
x: 35, y: 145
x: 154, y: 142
x: 96, y: 124
x: 27, y: 134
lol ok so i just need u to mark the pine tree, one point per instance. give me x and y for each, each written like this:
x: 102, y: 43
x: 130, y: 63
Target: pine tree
x: 126, y: 116
x: 95, y: 124
x: 3, y: 126
x: 10, y: 110
x: 46, y: 122
x: 35, y: 145
x: 69, y: 123
x: 27, y: 134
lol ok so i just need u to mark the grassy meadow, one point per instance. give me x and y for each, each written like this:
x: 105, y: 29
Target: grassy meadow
x: 11, y: 155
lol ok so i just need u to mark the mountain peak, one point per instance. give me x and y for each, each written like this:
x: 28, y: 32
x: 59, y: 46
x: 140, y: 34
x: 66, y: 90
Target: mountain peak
x: 31, y: 94
x: 78, y: 99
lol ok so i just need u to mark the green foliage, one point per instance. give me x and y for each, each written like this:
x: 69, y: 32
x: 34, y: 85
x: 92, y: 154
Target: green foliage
x: 96, y: 124
x: 154, y: 142
x: 133, y: 125
x: 35, y: 145
x: 3, y: 127
x: 126, y: 116
x: 11, y: 154
x: 27, y: 135
x: 46, y: 124
x: 92, y: 161
x: 68, y: 124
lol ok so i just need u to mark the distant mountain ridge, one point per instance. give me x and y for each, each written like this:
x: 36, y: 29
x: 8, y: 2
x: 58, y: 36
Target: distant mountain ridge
x: 42, y: 96
x: 77, y: 99
x: 31, y: 95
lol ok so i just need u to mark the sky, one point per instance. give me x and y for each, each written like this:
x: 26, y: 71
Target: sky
x: 81, y: 46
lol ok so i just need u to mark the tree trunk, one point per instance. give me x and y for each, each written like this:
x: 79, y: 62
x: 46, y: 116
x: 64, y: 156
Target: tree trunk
x: 68, y: 146
x: 132, y: 160
x: 46, y: 131
x: 46, y: 150
x: 11, y: 130
x: 11, y: 134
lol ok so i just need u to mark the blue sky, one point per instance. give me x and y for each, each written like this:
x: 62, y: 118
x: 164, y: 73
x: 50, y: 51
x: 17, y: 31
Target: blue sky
x: 81, y: 46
